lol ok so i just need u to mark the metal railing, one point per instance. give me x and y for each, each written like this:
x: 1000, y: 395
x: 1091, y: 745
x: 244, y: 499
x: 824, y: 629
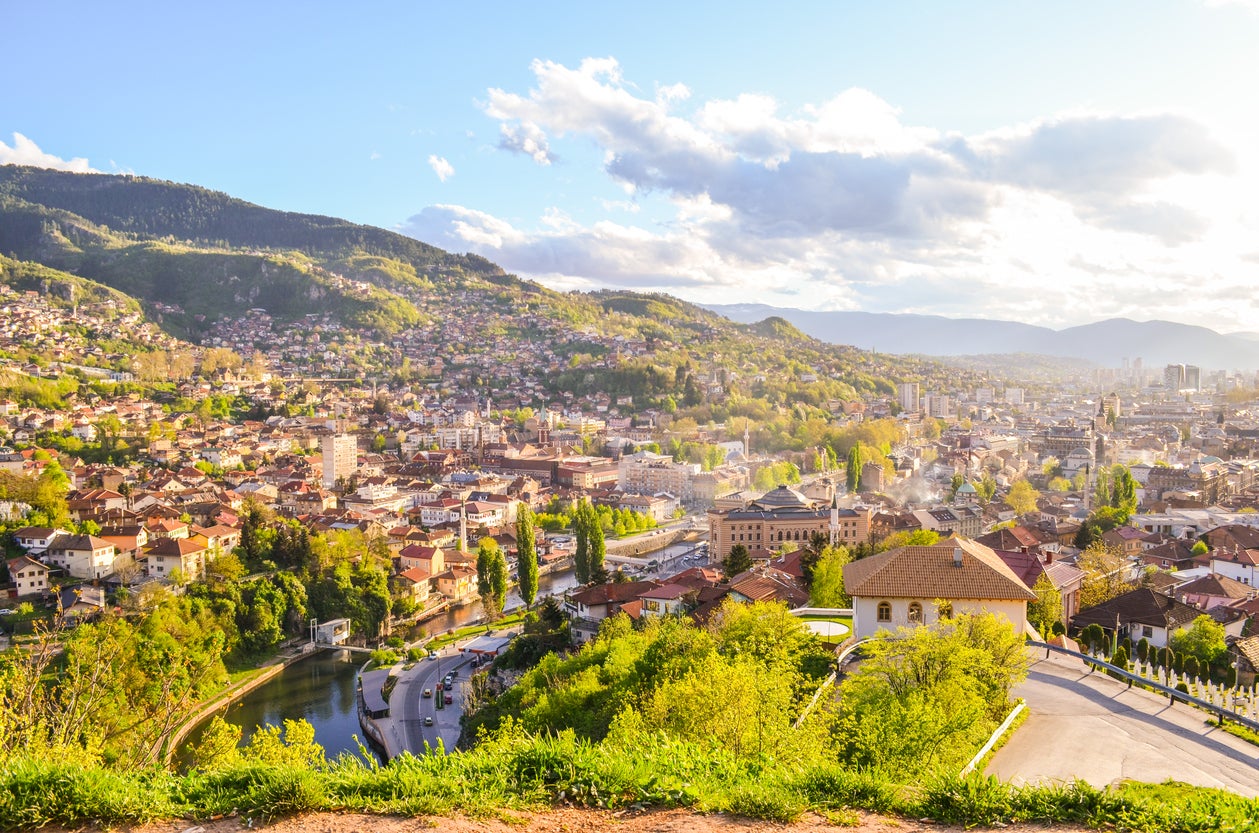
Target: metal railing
x: 1172, y: 694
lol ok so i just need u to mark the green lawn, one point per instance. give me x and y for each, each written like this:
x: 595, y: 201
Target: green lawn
x: 475, y: 630
x: 846, y: 621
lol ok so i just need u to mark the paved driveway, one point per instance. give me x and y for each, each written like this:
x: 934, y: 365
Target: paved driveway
x: 1095, y: 728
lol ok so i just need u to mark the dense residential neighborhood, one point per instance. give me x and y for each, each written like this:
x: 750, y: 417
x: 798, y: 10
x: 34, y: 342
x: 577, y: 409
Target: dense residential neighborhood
x: 418, y: 449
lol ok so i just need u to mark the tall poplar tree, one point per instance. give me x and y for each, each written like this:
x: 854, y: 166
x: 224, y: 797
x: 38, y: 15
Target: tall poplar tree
x: 598, y: 549
x: 854, y: 468
x: 526, y: 556
x: 581, y: 531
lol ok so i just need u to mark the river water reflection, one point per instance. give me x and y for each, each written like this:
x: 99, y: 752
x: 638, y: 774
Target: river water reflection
x: 319, y: 689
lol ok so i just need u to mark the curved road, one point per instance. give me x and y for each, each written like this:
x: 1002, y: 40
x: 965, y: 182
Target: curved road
x: 1095, y: 728
x: 406, y: 724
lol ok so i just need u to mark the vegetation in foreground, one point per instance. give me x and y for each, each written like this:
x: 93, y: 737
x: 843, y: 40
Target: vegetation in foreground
x: 532, y: 772
x: 667, y: 715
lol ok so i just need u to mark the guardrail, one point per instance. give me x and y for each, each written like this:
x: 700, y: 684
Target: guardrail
x: 992, y: 741
x: 829, y: 681
x: 1172, y: 694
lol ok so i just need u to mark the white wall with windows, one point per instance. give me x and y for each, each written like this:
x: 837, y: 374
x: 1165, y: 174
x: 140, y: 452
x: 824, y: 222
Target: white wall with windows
x: 871, y: 615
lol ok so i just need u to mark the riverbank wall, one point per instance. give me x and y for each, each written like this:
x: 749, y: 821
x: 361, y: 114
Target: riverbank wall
x: 227, y: 697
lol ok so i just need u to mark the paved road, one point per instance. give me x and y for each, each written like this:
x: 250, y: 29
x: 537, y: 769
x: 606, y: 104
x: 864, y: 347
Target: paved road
x: 407, y: 723
x: 1095, y: 728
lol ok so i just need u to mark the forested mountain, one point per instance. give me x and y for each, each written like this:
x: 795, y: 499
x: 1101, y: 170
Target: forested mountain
x: 198, y: 260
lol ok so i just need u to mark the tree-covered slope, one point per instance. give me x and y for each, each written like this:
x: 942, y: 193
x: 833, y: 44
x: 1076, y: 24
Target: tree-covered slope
x: 196, y: 258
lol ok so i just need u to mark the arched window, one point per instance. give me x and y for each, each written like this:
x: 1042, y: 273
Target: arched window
x: 945, y: 610
x: 885, y: 612
x: 915, y: 613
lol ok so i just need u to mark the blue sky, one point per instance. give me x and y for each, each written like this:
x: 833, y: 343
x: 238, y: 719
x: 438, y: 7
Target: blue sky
x: 1056, y: 164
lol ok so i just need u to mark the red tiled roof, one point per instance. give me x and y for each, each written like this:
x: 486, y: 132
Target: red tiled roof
x: 934, y: 572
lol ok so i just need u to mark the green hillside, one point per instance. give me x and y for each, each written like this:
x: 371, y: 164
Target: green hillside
x: 195, y: 258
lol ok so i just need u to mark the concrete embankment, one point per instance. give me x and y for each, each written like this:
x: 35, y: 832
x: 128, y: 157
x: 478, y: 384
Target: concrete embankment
x: 236, y: 691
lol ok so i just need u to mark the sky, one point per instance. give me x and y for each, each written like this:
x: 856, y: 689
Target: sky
x: 1053, y: 163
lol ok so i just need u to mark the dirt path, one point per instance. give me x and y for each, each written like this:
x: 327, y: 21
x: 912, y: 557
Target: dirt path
x: 572, y: 821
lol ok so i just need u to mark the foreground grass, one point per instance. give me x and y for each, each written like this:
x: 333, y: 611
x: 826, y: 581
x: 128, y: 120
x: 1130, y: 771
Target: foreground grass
x: 533, y: 773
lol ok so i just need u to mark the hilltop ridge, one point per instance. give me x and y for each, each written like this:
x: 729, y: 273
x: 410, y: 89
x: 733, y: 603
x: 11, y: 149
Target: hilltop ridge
x: 204, y: 265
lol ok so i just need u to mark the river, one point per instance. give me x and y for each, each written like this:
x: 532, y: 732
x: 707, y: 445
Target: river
x: 552, y: 584
x: 319, y: 689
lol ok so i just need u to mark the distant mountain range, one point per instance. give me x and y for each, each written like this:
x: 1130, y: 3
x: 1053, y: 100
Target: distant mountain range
x: 1106, y: 343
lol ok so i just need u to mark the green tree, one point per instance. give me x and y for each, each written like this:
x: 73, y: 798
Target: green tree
x: 985, y: 488
x: 1047, y: 608
x: 1022, y: 497
x: 736, y: 561
x: 1105, y: 575
x: 853, y: 470
x: 924, y: 697
x: 581, y: 535
x: 598, y: 552
x: 827, y: 587
x: 491, y: 570
x: 1204, y: 639
x: 526, y: 555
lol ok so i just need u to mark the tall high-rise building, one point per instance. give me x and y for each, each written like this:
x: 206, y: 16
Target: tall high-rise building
x: 340, y: 457
x: 1193, y: 377
x: 937, y: 405
x: 1014, y: 396
x: 907, y: 397
x: 1174, y: 377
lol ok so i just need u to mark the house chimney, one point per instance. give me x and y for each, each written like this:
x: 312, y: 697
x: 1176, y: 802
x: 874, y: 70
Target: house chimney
x: 957, y: 556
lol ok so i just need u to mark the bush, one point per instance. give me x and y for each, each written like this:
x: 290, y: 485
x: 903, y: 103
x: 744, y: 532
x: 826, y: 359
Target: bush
x: 382, y: 657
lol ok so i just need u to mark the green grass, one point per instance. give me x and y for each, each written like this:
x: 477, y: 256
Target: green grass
x: 522, y: 772
x: 1237, y: 731
x: 846, y: 621
x: 470, y: 631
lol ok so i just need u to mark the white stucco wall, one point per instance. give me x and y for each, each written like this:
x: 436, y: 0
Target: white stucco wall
x: 865, y: 613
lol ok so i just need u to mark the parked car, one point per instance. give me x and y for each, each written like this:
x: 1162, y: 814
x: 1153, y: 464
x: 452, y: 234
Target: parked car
x: 7, y: 611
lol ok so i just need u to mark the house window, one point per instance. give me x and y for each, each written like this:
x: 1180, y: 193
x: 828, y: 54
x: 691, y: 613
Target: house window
x: 885, y: 612
x: 1147, y: 631
x: 915, y: 613
x: 945, y: 611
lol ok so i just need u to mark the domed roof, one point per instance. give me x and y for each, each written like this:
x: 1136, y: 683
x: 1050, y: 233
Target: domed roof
x: 782, y: 498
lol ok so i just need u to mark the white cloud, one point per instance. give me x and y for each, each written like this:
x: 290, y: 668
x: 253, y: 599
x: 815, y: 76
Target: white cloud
x: 843, y: 205
x: 26, y: 152
x: 526, y: 138
x: 441, y: 167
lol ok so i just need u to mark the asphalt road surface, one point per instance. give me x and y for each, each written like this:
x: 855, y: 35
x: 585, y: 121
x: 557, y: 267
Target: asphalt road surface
x: 409, y: 692
x: 1094, y: 728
